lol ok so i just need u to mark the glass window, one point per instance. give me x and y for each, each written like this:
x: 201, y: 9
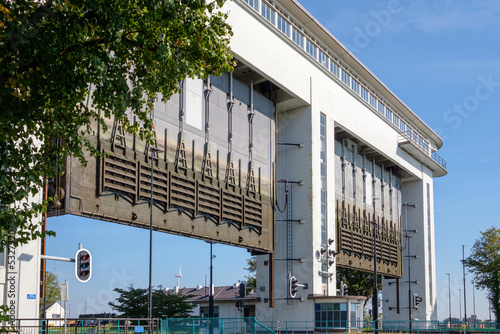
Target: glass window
x: 194, y: 102
x: 283, y: 25
x: 346, y: 78
x: 355, y: 86
x: 323, y: 59
x: 268, y: 13
x: 204, y: 311
x: 253, y: 3
x: 373, y: 101
x: 331, y: 315
x: 381, y: 108
x: 311, y: 49
x: 364, y: 94
x: 297, y: 37
x: 2, y: 258
x: 334, y: 68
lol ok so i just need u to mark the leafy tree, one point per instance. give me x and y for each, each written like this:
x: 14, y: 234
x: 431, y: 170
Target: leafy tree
x: 252, y: 268
x: 484, y: 263
x: 358, y: 282
x: 133, y: 303
x: 67, y: 64
x: 52, y: 290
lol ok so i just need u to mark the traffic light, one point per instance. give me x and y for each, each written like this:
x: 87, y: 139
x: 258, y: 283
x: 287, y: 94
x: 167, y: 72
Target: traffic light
x: 238, y: 304
x: 83, y: 265
x: 293, y: 286
x: 416, y: 300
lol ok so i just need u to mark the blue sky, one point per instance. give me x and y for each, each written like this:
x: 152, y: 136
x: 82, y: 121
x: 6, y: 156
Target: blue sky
x: 442, y: 58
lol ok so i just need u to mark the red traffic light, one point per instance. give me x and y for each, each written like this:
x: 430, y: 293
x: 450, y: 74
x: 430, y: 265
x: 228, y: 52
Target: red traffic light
x: 83, y: 265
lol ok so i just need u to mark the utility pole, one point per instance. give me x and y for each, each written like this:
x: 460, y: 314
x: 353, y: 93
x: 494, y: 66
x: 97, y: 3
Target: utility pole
x: 465, y: 293
x: 449, y: 294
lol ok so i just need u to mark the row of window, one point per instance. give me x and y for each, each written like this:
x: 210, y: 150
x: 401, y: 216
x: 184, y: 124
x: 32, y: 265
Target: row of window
x: 306, y: 42
x: 322, y: 132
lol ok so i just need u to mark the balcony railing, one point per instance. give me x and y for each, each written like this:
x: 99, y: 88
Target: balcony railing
x: 423, y: 146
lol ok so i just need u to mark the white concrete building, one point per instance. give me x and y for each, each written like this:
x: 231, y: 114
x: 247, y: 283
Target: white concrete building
x: 19, y: 278
x: 349, y: 152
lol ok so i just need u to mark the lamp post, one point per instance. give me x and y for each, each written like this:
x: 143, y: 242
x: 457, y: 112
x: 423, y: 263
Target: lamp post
x: 474, y: 300
x: 460, y: 304
x: 465, y: 293
x: 150, y: 291
x: 449, y: 295
x: 406, y: 205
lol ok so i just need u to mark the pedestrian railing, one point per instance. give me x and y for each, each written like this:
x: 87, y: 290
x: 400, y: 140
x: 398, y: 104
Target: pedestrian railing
x: 241, y: 326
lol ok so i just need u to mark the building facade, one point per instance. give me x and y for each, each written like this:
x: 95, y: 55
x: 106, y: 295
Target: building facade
x: 350, y: 156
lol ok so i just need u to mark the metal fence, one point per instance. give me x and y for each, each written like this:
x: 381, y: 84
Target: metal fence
x: 241, y: 326
x: 84, y: 326
x: 213, y: 326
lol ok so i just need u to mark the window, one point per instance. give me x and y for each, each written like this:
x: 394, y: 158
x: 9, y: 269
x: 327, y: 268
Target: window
x: 373, y: 101
x: 311, y: 48
x: 323, y: 59
x: 323, y: 151
x: 334, y: 68
x: 297, y: 37
x: 388, y: 114
x: 364, y: 94
x: 402, y: 126
x: 330, y: 315
x: 355, y: 86
x: 429, y: 239
x: 253, y: 3
x: 267, y: 12
x: 2, y: 258
x: 346, y: 78
x: 194, y: 102
x: 381, y: 108
x: 283, y: 25
x: 395, y: 120
x: 204, y: 311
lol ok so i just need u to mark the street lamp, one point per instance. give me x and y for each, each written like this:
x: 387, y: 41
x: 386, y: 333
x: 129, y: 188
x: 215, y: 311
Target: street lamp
x: 474, y: 300
x: 449, y: 295
x: 150, y: 291
x: 460, y: 304
x: 465, y: 293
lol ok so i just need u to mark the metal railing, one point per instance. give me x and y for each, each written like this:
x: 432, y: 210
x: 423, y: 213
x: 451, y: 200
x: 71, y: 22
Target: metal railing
x: 422, y: 145
x: 243, y: 326
x: 85, y: 326
x: 213, y: 326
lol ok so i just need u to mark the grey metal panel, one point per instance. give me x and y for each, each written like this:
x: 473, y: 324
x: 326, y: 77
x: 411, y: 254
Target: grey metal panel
x: 115, y: 187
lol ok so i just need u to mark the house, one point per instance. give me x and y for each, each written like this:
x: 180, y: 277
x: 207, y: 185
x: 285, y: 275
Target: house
x: 229, y: 301
x: 55, y: 311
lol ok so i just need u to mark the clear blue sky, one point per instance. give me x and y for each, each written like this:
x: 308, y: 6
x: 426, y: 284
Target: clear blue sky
x: 442, y: 58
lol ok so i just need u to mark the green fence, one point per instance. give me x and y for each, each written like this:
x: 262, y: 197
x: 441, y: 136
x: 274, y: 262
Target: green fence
x: 213, y: 326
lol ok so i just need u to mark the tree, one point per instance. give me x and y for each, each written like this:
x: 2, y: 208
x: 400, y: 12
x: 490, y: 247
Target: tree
x: 359, y: 283
x: 65, y: 64
x: 484, y: 263
x: 52, y: 290
x: 133, y: 303
x: 252, y: 268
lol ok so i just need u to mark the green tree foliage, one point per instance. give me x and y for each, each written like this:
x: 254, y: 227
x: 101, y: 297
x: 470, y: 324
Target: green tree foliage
x: 252, y: 268
x: 359, y: 283
x: 484, y: 263
x: 133, y: 303
x: 65, y: 64
x: 52, y: 290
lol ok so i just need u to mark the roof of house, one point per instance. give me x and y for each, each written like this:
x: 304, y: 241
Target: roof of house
x: 202, y: 293
x: 52, y: 304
